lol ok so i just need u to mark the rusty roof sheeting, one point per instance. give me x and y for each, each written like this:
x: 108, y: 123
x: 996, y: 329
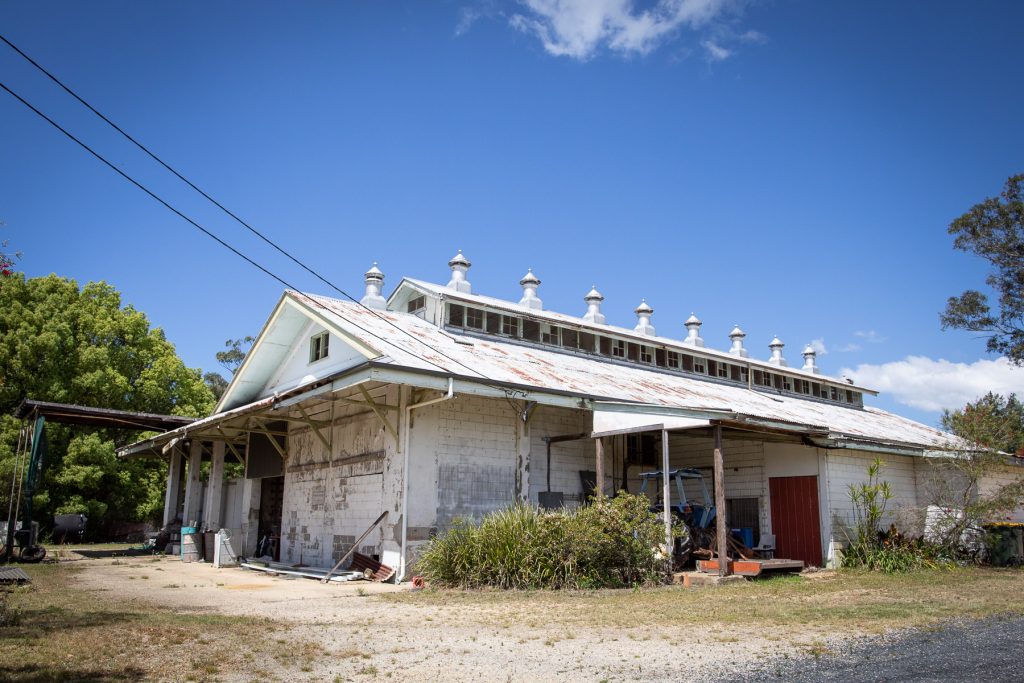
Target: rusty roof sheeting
x: 418, y: 344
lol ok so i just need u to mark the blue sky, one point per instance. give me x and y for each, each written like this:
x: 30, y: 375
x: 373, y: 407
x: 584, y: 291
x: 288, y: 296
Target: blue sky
x: 787, y: 166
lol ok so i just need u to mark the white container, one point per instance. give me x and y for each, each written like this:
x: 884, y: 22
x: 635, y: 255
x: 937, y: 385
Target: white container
x: 224, y: 553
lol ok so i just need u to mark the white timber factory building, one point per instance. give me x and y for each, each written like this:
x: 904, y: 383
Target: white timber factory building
x: 438, y: 403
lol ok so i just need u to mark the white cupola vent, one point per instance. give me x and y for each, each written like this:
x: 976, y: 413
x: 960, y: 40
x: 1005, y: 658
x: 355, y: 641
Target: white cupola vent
x: 594, y: 299
x: 776, y: 358
x: 643, y: 319
x: 693, y: 337
x: 374, y: 285
x: 737, y: 336
x: 530, y: 282
x: 809, y: 357
x: 459, y: 265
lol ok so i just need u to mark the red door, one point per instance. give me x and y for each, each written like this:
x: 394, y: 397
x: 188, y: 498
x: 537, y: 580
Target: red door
x: 795, y: 520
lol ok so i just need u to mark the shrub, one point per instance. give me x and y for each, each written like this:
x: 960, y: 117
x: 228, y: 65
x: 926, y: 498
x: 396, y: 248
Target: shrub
x: 609, y: 544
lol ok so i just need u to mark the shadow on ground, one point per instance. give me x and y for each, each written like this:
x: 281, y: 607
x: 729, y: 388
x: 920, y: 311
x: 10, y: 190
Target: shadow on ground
x: 46, y: 674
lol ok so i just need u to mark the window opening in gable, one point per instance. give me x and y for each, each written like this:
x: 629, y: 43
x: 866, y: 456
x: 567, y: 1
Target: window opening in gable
x: 456, y: 315
x: 645, y: 354
x: 416, y: 305
x: 587, y: 341
x: 659, y: 357
x: 570, y: 338
x: 318, y: 346
x: 510, y: 326
x: 618, y: 348
x: 474, y: 318
x: 700, y: 365
x: 738, y: 373
x: 633, y: 351
x: 672, y: 358
x: 548, y: 334
x: 493, y: 322
x: 723, y: 370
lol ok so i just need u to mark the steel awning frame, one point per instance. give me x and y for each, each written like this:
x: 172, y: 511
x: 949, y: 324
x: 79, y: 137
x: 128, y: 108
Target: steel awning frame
x: 819, y: 436
x: 217, y: 427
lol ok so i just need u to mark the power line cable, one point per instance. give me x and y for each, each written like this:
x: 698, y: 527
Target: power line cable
x: 225, y: 244
x: 220, y: 206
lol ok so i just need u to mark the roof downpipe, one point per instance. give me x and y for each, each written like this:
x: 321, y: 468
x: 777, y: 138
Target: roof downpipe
x: 374, y: 279
x: 594, y: 299
x: 643, y: 319
x: 459, y: 265
x: 530, y: 282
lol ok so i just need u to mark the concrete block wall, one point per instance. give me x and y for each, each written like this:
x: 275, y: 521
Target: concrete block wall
x: 330, y: 498
x: 476, y: 457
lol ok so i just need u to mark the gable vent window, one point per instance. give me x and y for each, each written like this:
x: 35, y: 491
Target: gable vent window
x: 570, y: 338
x: 587, y: 342
x: 417, y: 305
x: 548, y: 334
x: 531, y: 330
x: 738, y: 374
x: 318, y: 346
x: 494, y: 323
x: 645, y: 354
x: 673, y: 359
x: 700, y: 365
x: 618, y: 348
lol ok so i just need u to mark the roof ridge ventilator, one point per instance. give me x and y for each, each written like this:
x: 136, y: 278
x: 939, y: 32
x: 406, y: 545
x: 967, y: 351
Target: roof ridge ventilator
x: 643, y: 318
x: 530, y: 282
x: 460, y: 266
x: 594, y: 314
x: 374, y: 279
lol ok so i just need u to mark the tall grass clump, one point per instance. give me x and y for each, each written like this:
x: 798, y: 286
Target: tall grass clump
x: 609, y: 544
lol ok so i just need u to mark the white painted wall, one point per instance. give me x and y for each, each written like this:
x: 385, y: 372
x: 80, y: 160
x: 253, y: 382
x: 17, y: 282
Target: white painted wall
x: 849, y: 467
x: 297, y: 370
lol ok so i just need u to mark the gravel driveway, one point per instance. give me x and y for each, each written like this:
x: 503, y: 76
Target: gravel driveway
x: 988, y: 650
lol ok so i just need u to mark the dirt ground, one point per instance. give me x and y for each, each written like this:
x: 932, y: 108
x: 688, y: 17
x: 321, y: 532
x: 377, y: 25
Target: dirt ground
x: 354, y: 632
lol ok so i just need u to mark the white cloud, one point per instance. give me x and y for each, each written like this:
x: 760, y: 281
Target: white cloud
x: 578, y: 28
x: 847, y: 348
x: 928, y: 384
x: 819, y: 346
x: 870, y: 336
x: 716, y: 52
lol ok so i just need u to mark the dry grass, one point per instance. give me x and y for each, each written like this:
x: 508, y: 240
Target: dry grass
x: 852, y: 601
x: 67, y: 634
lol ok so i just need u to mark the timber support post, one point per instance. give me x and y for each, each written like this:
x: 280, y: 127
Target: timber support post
x: 722, y: 529
x: 599, y: 470
x: 666, y: 497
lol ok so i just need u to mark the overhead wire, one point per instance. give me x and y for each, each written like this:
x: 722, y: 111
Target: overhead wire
x: 236, y: 251
x: 219, y: 205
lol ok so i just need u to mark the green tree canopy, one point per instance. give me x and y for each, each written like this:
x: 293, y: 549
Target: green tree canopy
x: 994, y: 230
x: 63, y: 343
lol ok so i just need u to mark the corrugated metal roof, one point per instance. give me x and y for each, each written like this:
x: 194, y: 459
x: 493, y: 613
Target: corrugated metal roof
x: 418, y: 344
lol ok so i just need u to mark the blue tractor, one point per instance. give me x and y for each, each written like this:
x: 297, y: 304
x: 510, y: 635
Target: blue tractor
x: 697, y: 516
